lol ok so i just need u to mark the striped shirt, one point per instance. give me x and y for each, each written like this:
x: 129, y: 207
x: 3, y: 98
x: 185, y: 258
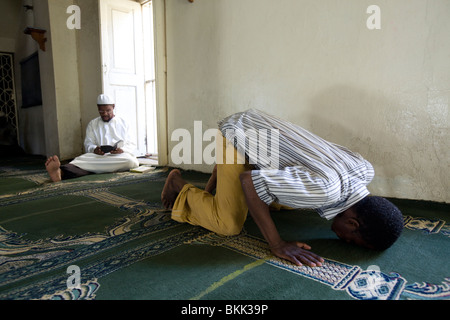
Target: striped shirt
x: 296, y: 168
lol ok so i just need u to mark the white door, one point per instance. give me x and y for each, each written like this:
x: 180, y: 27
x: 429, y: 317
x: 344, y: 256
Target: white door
x: 123, y: 63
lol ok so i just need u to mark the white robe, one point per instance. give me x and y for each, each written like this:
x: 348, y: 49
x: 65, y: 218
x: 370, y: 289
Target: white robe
x: 100, y: 133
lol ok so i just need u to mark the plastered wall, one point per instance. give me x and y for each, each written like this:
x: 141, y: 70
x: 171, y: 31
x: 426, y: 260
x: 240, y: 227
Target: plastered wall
x: 70, y: 70
x: 383, y: 93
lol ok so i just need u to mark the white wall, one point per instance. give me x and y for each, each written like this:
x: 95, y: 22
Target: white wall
x: 9, y: 24
x: 32, y: 123
x: 70, y: 78
x: 89, y: 61
x: 67, y: 92
x: 383, y: 93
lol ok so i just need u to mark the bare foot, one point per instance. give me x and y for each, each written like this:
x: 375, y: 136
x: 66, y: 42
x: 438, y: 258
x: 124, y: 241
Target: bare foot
x: 211, y: 185
x: 52, y: 165
x: 172, y: 188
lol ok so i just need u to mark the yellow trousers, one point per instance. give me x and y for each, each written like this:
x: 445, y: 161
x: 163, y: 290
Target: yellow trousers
x: 225, y: 212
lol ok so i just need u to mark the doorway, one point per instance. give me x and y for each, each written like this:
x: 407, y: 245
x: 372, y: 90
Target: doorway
x: 128, y: 68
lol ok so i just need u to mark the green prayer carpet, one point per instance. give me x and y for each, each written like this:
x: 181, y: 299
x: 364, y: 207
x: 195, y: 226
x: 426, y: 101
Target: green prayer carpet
x: 107, y: 237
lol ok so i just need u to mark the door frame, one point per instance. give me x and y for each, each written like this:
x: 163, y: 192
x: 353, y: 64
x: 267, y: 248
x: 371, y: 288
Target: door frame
x: 123, y: 74
x: 159, y: 21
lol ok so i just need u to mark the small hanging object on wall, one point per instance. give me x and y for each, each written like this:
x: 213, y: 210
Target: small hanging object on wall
x: 191, y: 1
x: 38, y: 35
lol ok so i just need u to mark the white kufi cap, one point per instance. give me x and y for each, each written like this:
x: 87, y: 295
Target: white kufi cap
x: 104, y: 99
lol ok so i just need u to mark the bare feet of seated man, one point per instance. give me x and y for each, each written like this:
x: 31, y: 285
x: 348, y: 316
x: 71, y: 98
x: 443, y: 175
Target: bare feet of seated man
x: 52, y: 165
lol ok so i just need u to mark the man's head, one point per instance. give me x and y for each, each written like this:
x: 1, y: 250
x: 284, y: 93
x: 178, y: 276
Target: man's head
x: 373, y: 222
x: 105, y: 107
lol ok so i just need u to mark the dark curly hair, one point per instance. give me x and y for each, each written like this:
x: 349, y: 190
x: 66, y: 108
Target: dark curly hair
x: 381, y: 222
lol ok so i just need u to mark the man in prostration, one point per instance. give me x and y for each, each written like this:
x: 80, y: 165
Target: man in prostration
x: 310, y: 172
x: 105, y: 130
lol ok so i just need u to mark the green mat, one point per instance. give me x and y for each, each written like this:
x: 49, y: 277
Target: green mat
x: 107, y: 237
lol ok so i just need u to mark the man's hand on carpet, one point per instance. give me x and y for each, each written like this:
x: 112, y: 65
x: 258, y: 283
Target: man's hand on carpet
x: 298, y: 253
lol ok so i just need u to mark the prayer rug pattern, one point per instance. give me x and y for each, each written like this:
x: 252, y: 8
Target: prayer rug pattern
x: 113, y: 231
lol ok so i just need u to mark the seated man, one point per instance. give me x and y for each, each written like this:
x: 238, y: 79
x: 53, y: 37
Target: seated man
x: 107, y: 129
x: 310, y: 173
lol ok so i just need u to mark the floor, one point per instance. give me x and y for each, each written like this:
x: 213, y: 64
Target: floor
x: 113, y: 228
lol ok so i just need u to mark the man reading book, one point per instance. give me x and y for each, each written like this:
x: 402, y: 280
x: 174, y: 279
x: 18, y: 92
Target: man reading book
x: 108, y: 145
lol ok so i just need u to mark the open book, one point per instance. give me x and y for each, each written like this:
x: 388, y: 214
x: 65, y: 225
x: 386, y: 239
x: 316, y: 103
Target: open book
x: 142, y: 169
x: 106, y: 149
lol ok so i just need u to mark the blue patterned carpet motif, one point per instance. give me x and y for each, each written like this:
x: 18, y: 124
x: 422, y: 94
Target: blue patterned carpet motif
x: 113, y: 229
